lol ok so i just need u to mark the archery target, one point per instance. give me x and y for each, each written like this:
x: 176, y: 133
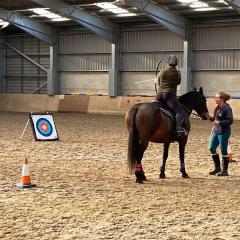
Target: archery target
x: 44, y: 127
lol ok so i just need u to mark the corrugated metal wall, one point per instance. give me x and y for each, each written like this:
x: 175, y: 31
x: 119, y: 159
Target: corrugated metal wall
x: 21, y: 76
x: 85, y: 58
x: 141, y: 52
x: 84, y: 52
x: 216, y: 58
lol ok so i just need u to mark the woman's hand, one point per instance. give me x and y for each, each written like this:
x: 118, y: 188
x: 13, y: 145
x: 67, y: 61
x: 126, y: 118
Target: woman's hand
x: 216, y: 122
x: 209, y: 117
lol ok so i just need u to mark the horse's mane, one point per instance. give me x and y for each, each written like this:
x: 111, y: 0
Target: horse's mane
x: 186, y: 98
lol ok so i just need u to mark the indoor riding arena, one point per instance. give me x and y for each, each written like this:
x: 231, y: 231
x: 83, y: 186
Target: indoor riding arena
x: 75, y: 77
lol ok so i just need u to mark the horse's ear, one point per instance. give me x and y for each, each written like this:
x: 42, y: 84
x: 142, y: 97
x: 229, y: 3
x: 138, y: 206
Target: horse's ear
x: 194, y: 89
x: 201, y: 90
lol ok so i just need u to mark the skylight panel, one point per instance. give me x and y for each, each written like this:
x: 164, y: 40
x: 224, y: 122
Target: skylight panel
x: 45, y: 12
x: 3, y: 24
x: 110, y: 7
x: 199, y: 4
x: 205, y: 9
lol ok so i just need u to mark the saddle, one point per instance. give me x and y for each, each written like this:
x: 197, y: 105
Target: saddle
x: 165, y: 109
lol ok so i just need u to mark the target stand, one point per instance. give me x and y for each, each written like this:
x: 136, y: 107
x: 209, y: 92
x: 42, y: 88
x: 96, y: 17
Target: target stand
x: 43, y: 127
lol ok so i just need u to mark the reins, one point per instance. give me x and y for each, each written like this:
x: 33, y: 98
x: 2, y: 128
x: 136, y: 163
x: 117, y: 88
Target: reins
x: 189, y: 111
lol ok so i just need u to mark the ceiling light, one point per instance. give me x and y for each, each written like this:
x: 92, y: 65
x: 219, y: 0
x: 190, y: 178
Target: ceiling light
x: 187, y: 1
x: 39, y: 11
x: 126, y: 14
x: 222, y: 1
x: 3, y: 24
x: 106, y: 5
x: 112, y: 8
x: 51, y: 15
x: 119, y: 10
x: 205, y: 9
x: 44, y: 12
x: 198, y: 5
x: 61, y: 19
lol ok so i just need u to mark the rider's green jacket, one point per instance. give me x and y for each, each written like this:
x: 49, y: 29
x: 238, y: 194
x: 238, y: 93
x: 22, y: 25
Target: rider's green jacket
x: 168, y: 80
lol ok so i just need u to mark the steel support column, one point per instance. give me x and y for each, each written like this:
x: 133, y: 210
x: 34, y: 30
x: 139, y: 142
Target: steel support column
x: 186, y: 84
x: 2, y: 81
x: 53, y: 85
x: 115, y: 87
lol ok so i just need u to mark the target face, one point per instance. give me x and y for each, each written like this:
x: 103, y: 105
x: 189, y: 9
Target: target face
x: 43, y: 127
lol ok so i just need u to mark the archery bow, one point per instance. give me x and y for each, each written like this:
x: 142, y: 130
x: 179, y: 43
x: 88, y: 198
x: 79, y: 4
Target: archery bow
x: 156, y: 72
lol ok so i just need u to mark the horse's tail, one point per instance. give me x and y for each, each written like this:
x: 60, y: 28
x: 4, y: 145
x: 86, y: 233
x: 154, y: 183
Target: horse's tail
x: 133, y: 141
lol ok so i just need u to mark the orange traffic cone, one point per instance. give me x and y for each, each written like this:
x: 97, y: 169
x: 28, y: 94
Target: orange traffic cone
x: 25, y: 180
x: 229, y: 149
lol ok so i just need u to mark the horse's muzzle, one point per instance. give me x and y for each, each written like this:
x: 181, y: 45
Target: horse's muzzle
x: 205, y: 116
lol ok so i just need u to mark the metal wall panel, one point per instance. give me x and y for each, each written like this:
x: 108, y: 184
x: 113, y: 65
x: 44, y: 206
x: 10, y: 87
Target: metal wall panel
x: 216, y: 53
x: 215, y: 50
x: 84, y: 52
x: 217, y: 60
x: 22, y: 75
x: 84, y: 63
x: 142, y: 50
x: 78, y: 43
x: 215, y: 37
x: 144, y: 62
x: 150, y: 41
x: 13, y: 85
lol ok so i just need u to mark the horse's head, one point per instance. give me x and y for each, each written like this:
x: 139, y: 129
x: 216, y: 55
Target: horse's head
x: 200, y: 104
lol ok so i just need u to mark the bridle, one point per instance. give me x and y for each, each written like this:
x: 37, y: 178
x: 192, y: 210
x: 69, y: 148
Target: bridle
x: 191, y: 113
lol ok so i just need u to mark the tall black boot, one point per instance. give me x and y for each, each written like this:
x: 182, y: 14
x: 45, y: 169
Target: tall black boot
x: 217, y: 167
x: 224, y: 171
x: 179, y: 121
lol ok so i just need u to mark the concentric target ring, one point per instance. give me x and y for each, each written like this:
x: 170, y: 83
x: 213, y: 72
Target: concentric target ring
x: 44, y: 127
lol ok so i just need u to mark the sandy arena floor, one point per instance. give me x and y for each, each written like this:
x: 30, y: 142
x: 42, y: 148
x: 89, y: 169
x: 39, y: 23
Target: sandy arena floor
x: 84, y: 190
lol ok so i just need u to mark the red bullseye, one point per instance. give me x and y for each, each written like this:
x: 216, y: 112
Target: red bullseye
x: 44, y: 127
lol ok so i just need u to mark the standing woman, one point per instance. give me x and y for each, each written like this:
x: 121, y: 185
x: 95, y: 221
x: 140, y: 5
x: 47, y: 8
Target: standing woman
x: 222, y: 120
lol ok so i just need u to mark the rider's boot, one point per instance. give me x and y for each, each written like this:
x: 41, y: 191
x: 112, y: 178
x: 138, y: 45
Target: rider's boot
x: 180, y: 131
x: 217, y: 167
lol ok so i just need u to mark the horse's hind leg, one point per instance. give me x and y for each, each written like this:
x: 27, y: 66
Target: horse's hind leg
x: 182, y: 144
x: 139, y: 173
x: 164, y: 160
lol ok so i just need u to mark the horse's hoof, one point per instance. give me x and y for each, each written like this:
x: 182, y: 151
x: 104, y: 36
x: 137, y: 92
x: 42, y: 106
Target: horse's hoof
x: 162, y: 175
x: 185, y: 175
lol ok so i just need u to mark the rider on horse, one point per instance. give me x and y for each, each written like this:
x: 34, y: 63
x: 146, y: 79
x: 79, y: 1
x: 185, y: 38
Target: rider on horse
x: 167, y: 81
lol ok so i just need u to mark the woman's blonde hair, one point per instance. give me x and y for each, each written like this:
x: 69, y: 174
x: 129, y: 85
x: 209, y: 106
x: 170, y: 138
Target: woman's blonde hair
x: 224, y: 96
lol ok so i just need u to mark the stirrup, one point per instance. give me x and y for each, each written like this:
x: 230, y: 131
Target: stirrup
x: 181, y: 132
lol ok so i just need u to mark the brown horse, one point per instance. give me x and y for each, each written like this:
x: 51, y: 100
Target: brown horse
x: 147, y: 122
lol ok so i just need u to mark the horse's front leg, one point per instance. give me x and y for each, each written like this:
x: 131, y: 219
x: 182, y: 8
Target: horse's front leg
x: 164, y: 160
x: 182, y: 144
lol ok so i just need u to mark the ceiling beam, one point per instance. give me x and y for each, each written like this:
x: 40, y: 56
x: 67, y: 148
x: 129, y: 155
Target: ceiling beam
x: 235, y: 4
x: 97, y: 25
x: 171, y: 21
x: 36, y: 29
